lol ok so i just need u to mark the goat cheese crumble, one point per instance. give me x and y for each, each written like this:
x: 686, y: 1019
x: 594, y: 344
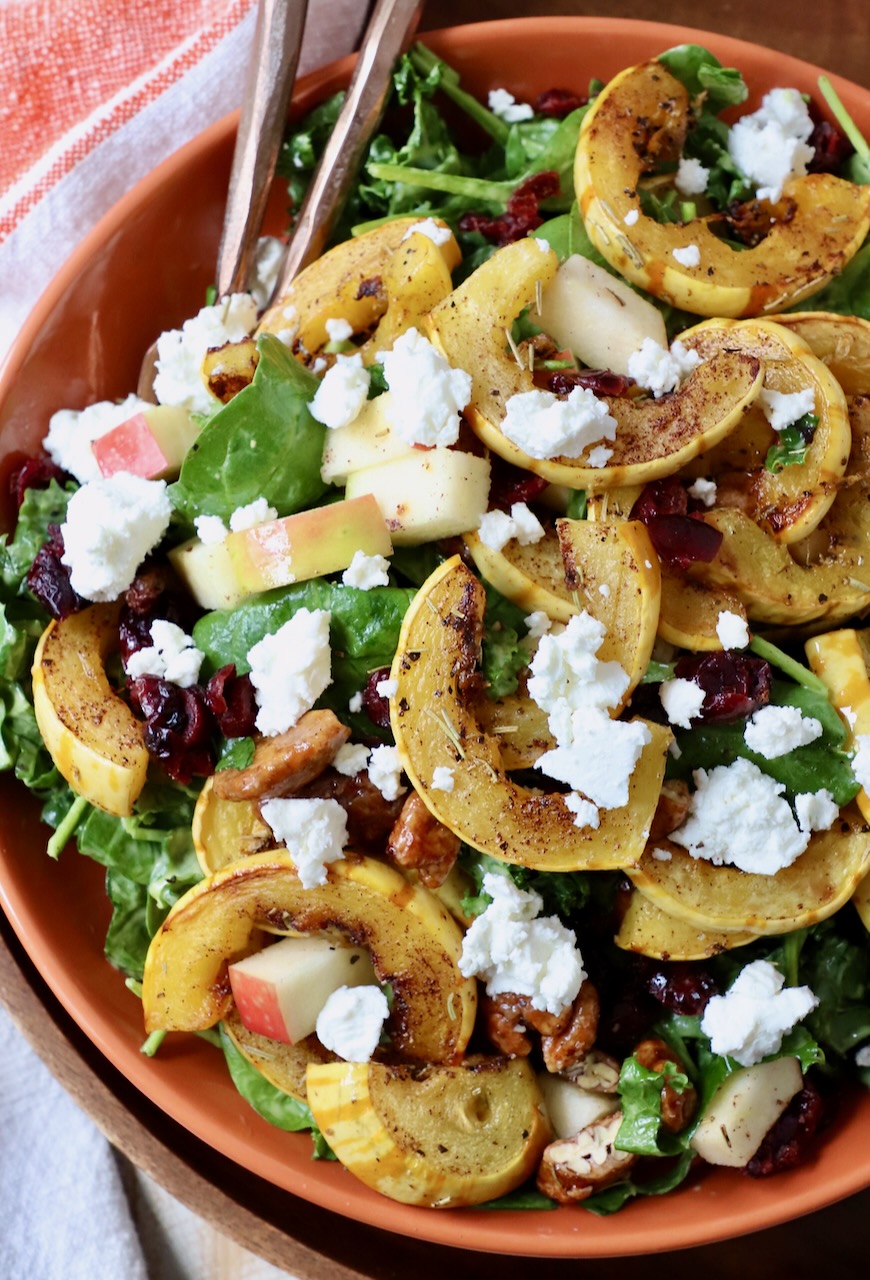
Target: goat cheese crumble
x: 338, y: 329
x: 251, y: 514
x: 732, y: 630
x: 428, y: 395
x: 431, y: 229
x: 351, y: 1022
x: 180, y: 352
x: 290, y: 669
x: 770, y: 145
x: 687, y: 256
x: 71, y: 433
x: 503, y: 104
x: 314, y: 831
x: 748, y: 1023
x: 342, y: 392
x: 544, y: 426
x: 691, y: 177
x: 703, y: 491
x: 366, y: 572
x: 210, y: 530
x: 682, y: 701
x: 514, y: 949
x: 774, y: 731
x: 497, y: 528
x: 171, y: 656
x: 443, y: 778
x: 110, y: 527
x: 782, y: 409
x: 385, y: 771
x: 351, y: 758
x: 661, y: 369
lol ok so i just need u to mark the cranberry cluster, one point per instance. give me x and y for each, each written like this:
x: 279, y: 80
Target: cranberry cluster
x: 522, y: 213
x: 678, y: 535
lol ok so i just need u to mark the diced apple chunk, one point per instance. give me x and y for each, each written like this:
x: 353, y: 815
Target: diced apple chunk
x: 742, y: 1110
x: 208, y: 573
x: 151, y: 444
x: 280, y: 990
x: 307, y: 545
x: 572, y: 1108
x: 367, y: 441
x: 428, y: 494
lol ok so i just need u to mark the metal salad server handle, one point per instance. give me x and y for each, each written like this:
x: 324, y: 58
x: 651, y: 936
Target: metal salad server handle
x: 389, y: 28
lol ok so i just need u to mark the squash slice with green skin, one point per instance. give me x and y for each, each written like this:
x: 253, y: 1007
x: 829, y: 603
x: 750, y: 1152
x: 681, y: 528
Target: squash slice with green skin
x: 787, y: 504
x: 838, y: 658
x: 822, y: 879
x: 654, y: 438
x: 442, y: 1137
x: 414, y: 945
x: 649, y: 931
x: 93, y: 737
x: 434, y: 724
x: 637, y: 123
x: 282, y: 1065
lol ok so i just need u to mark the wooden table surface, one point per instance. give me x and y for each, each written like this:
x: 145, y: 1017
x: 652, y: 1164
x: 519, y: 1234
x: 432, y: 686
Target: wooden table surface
x: 306, y: 1240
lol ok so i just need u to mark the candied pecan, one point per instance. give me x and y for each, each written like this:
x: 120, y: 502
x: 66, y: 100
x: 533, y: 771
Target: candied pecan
x: 671, y: 810
x: 677, y: 1108
x: 566, y: 1047
x: 572, y: 1168
x: 596, y: 1071
x: 286, y: 762
x: 420, y: 841
x: 504, y: 1023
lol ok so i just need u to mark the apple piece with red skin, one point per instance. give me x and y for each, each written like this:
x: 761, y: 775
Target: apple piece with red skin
x: 151, y: 444
x: 280, y: 990
x: 307, y: 545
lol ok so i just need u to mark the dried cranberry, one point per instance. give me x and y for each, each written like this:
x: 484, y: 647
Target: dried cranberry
x: 734, y: 684
x: 601, y: 382
x: 232, y: 702
x: 683, y: 540
x: 831, y: 148
x: 521, y: 214
x: 788, y: 1143
x: 48, y: 579
x: 151, y: 595
x: 34, y: 473
x: 558, y: 103
x: 661, y: 498
x: 683, y: 988
x: 375, y: 705
x: 509, y: 484
x: 178, y: 726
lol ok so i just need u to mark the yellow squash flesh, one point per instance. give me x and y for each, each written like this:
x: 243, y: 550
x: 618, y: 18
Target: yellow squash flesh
x: 841, y: 342
x: 533, y: 577
x: 434, y: 724
x: 91, y: 734
x: 413, y: 941
x: 837, y: 657
x: 442, y: 1137
x: 689, y: 613
x: 822, y: 879
x: 282, y: 1065
x: 649, y: 931
x: 225, y: 830
x: 639, y: 121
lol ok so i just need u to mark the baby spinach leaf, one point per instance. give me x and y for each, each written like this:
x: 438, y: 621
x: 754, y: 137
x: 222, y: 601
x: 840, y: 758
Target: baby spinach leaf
x: 40, y: 508
x: 702, y: 74
x: 263, y: 444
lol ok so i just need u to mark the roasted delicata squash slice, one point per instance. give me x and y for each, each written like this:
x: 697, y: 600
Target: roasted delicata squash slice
x: 841, y: 539
x: 443, y: 1137
x: 282, y: 1065
x: 841, y: 342
x: 520, y: 726
x: 91, y: 734
x: 654, y: 438
x: 532, y: 576
x: 649, y: 931
x: 861, y: 901
x: 225, y: 830
x: 822, y: 879
x: 639, y: 122
x: 689, y: 612
x: 434, y: 724
x: 349, y: 283
x: 414, y: 945
x: 838, y: 658
x: 788, y: 504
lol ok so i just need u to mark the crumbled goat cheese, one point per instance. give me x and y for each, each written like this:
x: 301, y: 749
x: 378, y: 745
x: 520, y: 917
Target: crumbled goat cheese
x: 599, y: 456
x: 861, y: 759
x: 565, y: 673
x: 180, y: 352
x: 387, y: 688
x: 314, y: 831
x: 774, y: 731
x: 659, y: 369
x: 170, y: 656
x: 631, y: 217
x: 596, y: 755
x: 662, y: 855
x: 351, y: 1022
x: 366, y: 572
x: 543, y: 245
x: 268, y: 256
x: 739, y: 816
x: 352, y: 758
x: 385, y: 772
x: 691, y: 177
x: 290, y: 669
x: 544, y: 426
x: 514, y: 949
x: 443, y: 778
x: 210, y: 529
x: 431, y: 229
x: 732, y: 630
x: 72, y: 431
x: 750, y: 1020
x: 356, y: 702
x: 862, y: 1056
x: 342, y: 392
x: 782, y: 409
x: 338, y: 329
x: 816, y: 810
x: 688, y: 256
x: 497, y: 528
x: 703, y: 491
x: 427, y: 394
x: 770, y: 145
x: 682, y: 701
x: 252, y: 514
x: 504, y: 105
x: 110, y: 527
x: 585, y: 812
x: 538, y: 624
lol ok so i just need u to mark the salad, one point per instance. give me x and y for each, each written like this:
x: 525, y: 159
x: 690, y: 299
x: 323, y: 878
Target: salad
x: 459, y: 671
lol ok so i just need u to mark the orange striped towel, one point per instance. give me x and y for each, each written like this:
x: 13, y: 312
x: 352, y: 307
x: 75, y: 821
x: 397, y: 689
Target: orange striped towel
x: 94, y: 95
